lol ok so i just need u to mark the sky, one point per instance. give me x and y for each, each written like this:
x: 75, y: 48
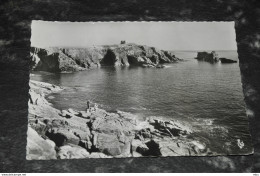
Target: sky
x: 163, y: 35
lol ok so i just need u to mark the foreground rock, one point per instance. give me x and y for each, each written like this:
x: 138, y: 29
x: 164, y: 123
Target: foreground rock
x: 39, y: 148
x: 208, y: 57
x: 225, y: 60
x: 77, y: 59
x: 66, y: 134
x: 72, y: 152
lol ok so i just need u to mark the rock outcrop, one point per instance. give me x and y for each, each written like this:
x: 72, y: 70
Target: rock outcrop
x: 96, y: 133
x: 208, y: 57
x: 76, y: 59
x: 225, y: 60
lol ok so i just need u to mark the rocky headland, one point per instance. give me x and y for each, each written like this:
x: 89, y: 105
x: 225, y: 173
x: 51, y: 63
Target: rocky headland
x: 96, y: 133
x: 56, y: 59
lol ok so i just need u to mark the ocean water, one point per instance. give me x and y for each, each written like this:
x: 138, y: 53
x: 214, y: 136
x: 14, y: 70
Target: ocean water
x: 206, y: 96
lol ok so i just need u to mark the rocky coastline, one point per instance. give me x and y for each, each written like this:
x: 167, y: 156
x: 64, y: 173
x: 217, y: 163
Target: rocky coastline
x: 55, y: 59
x: 96, y: 133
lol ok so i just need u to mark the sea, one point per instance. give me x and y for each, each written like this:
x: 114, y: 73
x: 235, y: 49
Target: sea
x: 206, y: 96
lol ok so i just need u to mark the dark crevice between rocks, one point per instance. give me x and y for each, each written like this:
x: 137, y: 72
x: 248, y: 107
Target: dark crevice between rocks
x: 59, y: 139
x: 154, y: 149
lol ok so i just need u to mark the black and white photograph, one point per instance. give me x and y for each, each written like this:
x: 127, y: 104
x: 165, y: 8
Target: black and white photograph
x: 135, y: 89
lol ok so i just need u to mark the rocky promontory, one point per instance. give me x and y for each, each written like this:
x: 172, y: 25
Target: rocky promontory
x: 96, y: 133
x: 56, y: 59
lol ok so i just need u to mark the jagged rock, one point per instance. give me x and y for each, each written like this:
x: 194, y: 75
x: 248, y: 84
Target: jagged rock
x: 72, y: 152
x: 39, y: 148
x: 225, y: 60
x: 208, y: 57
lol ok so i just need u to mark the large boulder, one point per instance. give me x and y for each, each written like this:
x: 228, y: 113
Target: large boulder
x: 112, y: 144
x: 39, y: 148
x: 72, y: 152
x: 112, y: 132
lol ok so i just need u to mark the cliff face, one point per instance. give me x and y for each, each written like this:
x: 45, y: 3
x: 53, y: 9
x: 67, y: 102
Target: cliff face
x: 76, y: 59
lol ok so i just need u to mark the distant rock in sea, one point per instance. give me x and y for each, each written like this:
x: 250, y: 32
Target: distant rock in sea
x: 208, y: 57
x: 56, y: 59
x: 225, y: 60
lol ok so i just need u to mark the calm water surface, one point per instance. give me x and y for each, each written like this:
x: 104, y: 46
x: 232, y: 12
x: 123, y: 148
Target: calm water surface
x: 206, y: 96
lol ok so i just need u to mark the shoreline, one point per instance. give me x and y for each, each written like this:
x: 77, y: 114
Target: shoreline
x: 67, y: 134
